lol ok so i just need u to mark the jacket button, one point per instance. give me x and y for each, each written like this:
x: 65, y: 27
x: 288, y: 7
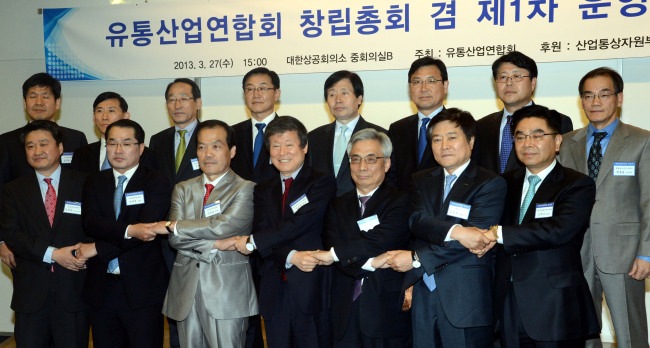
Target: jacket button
x: 197, y: 265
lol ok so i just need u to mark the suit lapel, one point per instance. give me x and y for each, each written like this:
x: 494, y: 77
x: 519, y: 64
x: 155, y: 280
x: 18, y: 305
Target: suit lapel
x: 190, y: 152
x: 616, y: 146
x: 171, y: 151
x: 135, y: 183
x: 246, y: 145
x: 330, y: 132
x: 61, y: 196
x: 374, y: 202
x: 545, y: 192
x: 413, y: 124
x: 34, y: 190
x: 579, y: 150
x: 197, y: 196
x: 462, y: 185
x: 435, y: 185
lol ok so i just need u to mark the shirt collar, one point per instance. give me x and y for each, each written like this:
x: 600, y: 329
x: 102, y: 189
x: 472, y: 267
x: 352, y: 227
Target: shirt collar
x: 458, y: 170
x: 294, y: 175
x: 544, y: 173
x: 128, y: 173
x: 609, y: 129
x: 55, y: 176
x: 351, y: 125
x: 266, y: 120
x: 216, y: 181
x: 190, y: 127
x: 359, y: 194
x: 506, y: 113
x: 432, y: 115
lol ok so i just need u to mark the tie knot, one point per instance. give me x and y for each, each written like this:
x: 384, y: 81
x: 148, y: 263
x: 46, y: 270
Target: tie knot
x: 48, y: 181
x: 209, y: 187
x: 182, y: 132
x: 363, y: 199
x: 450, y: 178
x: 121, y: 179
x: 425, y: 121
x: 533, y: 180
x: 260, y: 126
x: 508, y: 119
x: 287, y: 182
x: 598, y: 136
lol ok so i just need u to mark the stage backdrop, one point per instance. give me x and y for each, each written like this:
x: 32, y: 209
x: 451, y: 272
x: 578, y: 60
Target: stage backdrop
x: 230, y: 38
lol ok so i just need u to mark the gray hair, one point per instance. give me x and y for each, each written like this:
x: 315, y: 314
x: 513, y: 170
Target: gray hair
x: 372, y: 134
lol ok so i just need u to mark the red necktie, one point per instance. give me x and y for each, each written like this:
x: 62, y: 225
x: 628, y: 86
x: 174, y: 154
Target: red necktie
x: 287, y: 185
x: 50, y: 201
x: 208, y: 190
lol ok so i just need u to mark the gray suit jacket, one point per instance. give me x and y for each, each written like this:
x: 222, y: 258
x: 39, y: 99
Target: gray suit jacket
x: 619, y: 229
x: 225, y: 276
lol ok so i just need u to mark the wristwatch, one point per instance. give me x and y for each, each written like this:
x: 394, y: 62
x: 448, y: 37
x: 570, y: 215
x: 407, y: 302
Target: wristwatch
x: 494, y: 230
x: 416, y: 262
x: 167, y: 224
x: 249, y: 245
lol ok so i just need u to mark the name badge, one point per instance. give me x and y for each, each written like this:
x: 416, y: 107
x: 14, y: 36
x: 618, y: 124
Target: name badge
x: 72, y: 208
x: 66, y: 157
x: 543, y: 210
x: 195, y: 164
x: 299, y: 203
x: 459, y: 210
x: 368, y: 223
x: 134, y: 198
x: 624, y: 168
x: 212, y: 209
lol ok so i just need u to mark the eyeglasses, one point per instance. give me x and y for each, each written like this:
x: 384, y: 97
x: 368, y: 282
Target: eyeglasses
x: 259, y: 89
x: 370, y: 159
x: 534, y: 136
x: 125, y: 146
x: 515, y: 78
x: 427, y: 82
x: 603, y: 96
x: 183, y: 100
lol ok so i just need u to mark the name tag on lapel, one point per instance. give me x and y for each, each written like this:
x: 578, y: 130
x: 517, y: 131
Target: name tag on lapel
x: 212, y: 209
x: 459, y: 210
x: 299, y: 203
x: 368, y: 223
x: 624, y: 168
x: 72, y: 208
x: 195, y: 164
x: 134, y: 198
x: 543, y: 210
x: 66, y: 157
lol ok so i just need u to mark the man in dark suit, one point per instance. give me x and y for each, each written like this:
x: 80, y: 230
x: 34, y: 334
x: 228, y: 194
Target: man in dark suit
x: 287, y: 226
x: 452, y: 302
x: 515, y: 77
x: 361, y: 225
x: 127, y: 278
x: 616, y: 248
x: 344, y: 94
x: 175, y: 152
x: 41, y: 220
x: 42, y: 99
x: 108, y: 107
x: 428, y: 85
x: 542, y: 298
x: 261, y: 91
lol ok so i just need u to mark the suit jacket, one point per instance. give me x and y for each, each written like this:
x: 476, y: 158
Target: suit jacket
x: 486, y: 145
x: 275, y: 235
x: 15, y: 163
x: 380, y: 311
x: 86, y: 158
x: 321, y: 147
x: 225, y: 276
x: 162, y: 145
x: 142, y: 269
x: 542, y: 256
x: 619, y: 228
x: 242, y: 163
x: 463, y: 280
x: 28, y: 233
x: 404, y: 136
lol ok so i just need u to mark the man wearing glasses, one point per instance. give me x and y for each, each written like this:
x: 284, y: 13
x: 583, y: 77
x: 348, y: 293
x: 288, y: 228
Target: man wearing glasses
x: 343, y: 93
x: 175, y: 152
x: 428, y: 85
x: 127, y: 278
x: 515, y: 77
x: 617, y: 244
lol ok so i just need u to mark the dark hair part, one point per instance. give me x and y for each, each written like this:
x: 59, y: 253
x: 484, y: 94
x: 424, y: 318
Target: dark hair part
x: 44, y: 125
x: 552, y: 117
x: 212, y: 124
x: 126, y: 123
x: 355, y: 80
x: 275, y: 79
x: 111, y: 95
x: 617, y: 80
x: 460, y: 118
x: 196, y: 91
x: 42, y: 80
x: 428, y: 61
x: 283, y: 124
x: 517, y: 59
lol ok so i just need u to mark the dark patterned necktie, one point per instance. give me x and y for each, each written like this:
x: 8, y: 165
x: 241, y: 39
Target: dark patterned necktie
x: 595, y: 155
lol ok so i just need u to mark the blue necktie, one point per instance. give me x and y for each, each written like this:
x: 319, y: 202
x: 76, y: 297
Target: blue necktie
x: 422, y: 140
x: 117, y: 205
x: 259, y: 141
x: 506, y: 145
x: 533, y: 180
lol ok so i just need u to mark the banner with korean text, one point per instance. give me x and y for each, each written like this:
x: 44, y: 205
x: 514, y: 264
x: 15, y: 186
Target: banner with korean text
x: 227, y: 38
